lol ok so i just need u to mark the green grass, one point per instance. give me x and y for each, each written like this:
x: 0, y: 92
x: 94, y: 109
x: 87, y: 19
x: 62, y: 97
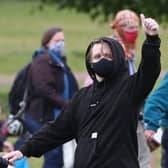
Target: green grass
x: 21, y: 29
x: 22, y: 26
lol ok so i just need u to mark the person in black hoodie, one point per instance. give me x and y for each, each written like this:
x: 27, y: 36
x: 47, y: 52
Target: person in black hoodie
x: 103, y: 116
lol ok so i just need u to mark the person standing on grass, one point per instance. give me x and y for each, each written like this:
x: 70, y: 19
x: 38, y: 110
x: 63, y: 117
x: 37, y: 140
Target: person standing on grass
x: 125, y: 26
x: 50, y: 85
x: 101, y: 117
x: 156, y: 116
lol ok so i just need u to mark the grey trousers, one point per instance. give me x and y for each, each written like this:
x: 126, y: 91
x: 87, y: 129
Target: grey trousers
x: 69, y: 153
x: 144, y: 155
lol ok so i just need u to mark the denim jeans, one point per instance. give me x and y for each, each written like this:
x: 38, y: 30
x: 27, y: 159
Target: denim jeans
x: 53, y: 158
x: 22, y: 163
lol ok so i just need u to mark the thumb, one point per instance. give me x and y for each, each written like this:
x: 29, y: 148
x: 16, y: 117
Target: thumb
x: 142, y: 19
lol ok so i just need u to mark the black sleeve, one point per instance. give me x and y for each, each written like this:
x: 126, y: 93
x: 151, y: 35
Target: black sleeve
x: 2, y: 139
x: 148, y: 70
x: 54, y: 133
x: 1, y: 143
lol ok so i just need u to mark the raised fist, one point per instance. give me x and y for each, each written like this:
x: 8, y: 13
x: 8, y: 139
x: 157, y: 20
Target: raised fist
x: 150, y: 26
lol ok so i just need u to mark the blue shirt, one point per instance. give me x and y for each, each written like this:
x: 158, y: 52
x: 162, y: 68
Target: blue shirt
x: 156, y: 107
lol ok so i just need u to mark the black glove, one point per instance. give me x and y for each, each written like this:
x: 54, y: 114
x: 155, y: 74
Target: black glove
x: 3, y: 163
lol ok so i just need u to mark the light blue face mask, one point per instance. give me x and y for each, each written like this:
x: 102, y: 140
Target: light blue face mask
x: 57, y: 47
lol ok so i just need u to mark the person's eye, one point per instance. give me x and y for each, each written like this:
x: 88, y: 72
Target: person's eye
x: 108, y: 55
x: 97, y: 56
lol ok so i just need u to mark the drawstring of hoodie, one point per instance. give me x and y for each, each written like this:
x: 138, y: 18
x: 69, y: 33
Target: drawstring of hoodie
x: 98, y: 93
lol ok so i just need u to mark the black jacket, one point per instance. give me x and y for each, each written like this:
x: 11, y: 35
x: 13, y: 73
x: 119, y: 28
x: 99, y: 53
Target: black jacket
x: 46, y: 86
x: 103, y: 116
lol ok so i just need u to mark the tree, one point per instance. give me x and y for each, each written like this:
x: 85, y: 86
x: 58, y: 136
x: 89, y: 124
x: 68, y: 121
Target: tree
x: 106, y: 8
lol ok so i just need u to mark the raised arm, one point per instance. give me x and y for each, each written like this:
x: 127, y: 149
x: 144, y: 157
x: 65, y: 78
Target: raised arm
x: 150, y: 66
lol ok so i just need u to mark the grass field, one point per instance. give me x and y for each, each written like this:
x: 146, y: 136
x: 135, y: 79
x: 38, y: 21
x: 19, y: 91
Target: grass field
x: 22, y: 26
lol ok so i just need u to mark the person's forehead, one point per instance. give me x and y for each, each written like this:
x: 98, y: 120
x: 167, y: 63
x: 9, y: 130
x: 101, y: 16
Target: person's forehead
x: 58, y: 36
x: 99, y: 47
x: 129, y: 23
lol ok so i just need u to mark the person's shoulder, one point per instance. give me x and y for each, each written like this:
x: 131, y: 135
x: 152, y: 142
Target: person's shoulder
x: 85, y: 89
x: 42, y: 59
x: 81, y: 93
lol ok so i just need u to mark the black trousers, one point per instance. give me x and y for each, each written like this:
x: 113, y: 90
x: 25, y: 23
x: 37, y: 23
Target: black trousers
x: 164, y: 157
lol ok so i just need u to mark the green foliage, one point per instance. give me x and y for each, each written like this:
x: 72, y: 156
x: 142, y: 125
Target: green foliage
x: 107, y: 8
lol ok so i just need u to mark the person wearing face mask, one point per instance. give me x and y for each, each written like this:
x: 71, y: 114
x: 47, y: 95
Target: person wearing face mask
x: 100, y: 117
x: 125, y: 26
x: 50, y: 86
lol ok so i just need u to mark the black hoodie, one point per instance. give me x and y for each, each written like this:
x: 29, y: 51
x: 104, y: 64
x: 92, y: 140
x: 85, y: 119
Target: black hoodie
x: 103, y: 117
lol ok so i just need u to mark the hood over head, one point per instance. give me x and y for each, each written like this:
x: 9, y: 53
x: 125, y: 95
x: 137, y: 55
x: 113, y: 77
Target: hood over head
x: 119, y: 63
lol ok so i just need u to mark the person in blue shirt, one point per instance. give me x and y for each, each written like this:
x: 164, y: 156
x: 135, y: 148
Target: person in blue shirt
x: 156, y: 115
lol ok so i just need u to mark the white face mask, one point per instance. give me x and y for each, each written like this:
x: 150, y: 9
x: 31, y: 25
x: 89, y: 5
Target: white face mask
x: 57, y: 47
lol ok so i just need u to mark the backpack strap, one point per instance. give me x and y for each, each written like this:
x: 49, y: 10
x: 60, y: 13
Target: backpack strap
x: 22, y: 104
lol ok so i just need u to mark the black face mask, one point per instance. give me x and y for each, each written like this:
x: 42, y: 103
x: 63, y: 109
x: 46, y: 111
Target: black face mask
x: 104, y: 68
